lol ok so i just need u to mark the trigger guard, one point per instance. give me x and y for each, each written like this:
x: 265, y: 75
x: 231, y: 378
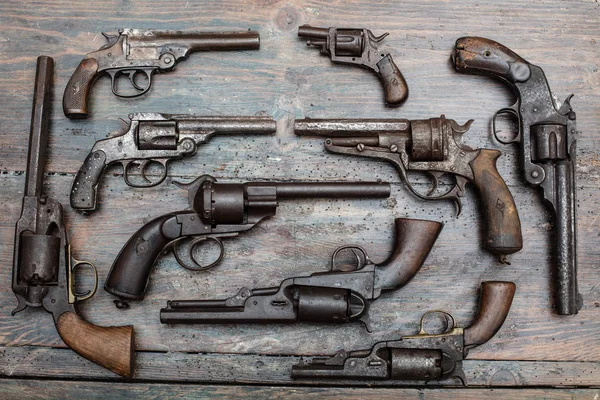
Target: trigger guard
x: 515, y: 114
x: 361, y: 261
x: 142, y: 167
x: 193, y: 245
x: 450, y: 321
x: 131, y: 73
x: 80, y: 296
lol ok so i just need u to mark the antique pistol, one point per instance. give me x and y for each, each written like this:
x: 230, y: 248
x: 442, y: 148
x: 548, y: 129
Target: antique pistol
x: 150, y: 142
x: 433, y: 146
x: 546, y: 134
x: 138, y: 54
x: 359, y: 47
x: 336, y: 296
x: 421, y: 357
x: 217, y: 210
x: 43, y: 268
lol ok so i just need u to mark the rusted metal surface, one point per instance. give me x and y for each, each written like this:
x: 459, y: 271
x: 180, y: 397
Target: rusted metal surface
x: 421, y: 357
x: 43, y: 268
x: 154, y: 140
x: 333, y: 297
x: 433, y: 146
x: 546, y: 135
x: 217, y: 210
x: 138, y: 51
x: 360, y: 47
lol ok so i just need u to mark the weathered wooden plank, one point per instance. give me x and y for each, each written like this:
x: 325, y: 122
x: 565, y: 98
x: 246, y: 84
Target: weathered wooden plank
x: 34, y: 389
x: 286, y: 80
x: 232, y: 368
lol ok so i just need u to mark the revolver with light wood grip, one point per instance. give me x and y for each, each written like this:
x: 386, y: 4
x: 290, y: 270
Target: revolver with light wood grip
x: 421, y: 357
x: 43, y: 267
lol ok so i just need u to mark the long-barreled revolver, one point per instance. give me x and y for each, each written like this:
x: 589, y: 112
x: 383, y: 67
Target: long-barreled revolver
x: 149, y: 143
x: 360, y: 47
x: 43, y: 268
x: 140, y: 51
x: 217, y: 210
x: 421, y: 357
x: 546, y: 134
x: 433, y: 146
x: 336, y: 296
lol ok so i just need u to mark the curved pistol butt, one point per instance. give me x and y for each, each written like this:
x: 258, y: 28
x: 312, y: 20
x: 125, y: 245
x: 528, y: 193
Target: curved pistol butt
x: 77, y: 91
x: 494, y: 304
x: 85, y: 185
x: 110, y: 347
x: 413, y: 241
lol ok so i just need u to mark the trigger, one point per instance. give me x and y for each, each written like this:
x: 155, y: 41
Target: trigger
x: 435, y: 181
x: 142, y: 166
x: 132, y: 80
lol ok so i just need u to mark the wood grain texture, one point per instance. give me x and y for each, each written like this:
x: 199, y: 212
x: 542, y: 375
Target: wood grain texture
x: 286, y: 80
x: 34, y: 389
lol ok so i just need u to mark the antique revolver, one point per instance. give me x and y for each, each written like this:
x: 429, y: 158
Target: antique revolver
x: 421, y: 357
x: 153, y: 140
x: 140, y: 51
x: 359, y: 47
x: 43, y: 268
x: 218, y: 210
x: 336, y: 296
x: 546, y: 135
x: 433, y: 146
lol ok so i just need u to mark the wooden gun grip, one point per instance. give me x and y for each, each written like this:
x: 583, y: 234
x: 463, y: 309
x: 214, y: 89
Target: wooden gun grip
x: 394, y: 85
x: 110, y: 347
x: 479, y: 55
x: 77, y: 92
x: 494, y: 304
x: 503, y: 223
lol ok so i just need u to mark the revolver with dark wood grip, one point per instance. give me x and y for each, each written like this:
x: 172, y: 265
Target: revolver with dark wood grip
x: 421, y: 357
x: 360, y: 47
x: 43, y: 267
x: 217, y: 210
x: 546, y: 135
x: 139, y: 54
x: 433, y: 146
x: 340, y: 295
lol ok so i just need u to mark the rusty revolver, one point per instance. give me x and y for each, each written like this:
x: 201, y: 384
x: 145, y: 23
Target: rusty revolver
x: 360, y: 47
x: 337, y: 296
x: 433, y: 146
x: 546, y: 134
x: 421, y: 357
x: 43, y: 267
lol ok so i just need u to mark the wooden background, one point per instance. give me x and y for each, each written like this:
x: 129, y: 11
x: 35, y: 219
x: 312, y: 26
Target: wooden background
x: 535, y: 349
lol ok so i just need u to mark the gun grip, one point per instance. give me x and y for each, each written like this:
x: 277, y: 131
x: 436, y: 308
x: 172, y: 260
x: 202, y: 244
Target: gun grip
x: 128, y: 276
x: 484, y: 56
x: 85, y: 184
x: 503, y: 224
x: 394, y: 85
x: 77, y: 92
x: 494, y: 304
x: 110, y: 347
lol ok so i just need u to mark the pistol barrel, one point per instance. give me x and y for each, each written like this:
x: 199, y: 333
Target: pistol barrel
x: 40, y: 120
x: 226, y: 125
x: 195, y: 41
x: 333, y: 190
x: 313, y: 32
x: 350, y: 127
